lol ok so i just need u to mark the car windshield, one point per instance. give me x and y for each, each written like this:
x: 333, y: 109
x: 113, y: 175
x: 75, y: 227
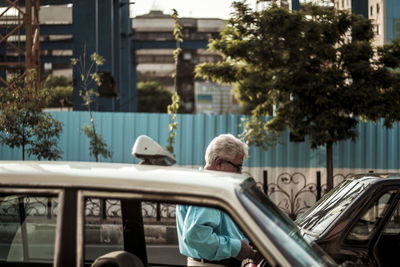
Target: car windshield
x: 321, y: 215
x: 280, y: 228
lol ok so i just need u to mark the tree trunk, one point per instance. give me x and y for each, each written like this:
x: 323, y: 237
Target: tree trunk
x: 96, y: 154
x: 23, y: 141
x: 329, y: 167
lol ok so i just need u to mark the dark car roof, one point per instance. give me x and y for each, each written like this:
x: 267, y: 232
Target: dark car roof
x: 341, y: 199
x: 376, y: 175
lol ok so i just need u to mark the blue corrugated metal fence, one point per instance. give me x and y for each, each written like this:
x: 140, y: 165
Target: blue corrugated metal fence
x: 376, y: 147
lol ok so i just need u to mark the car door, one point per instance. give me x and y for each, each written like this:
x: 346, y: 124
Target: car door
x: 388, y: 242
x: 361, y: 238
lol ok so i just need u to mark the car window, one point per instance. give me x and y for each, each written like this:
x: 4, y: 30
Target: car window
x: 393, y: 225
x: 388, y: 244
x: 321, y: 215
x: 103, y: 227
x: 28, y: 227
x: 104, y: 230
x: 367, y: 223
x: 160, y: 233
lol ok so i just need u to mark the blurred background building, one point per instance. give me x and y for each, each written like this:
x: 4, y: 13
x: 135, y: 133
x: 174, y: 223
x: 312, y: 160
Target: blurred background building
x: 139, y: 49
x: 155, y: 62
x: 385, y: 15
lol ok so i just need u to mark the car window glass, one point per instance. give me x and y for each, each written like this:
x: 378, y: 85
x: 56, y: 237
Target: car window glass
x: 280, y: 228
x: 361, y: 231
x: 388, y: 245
x: 103, y: 227
x: 28, y: 228
x: 113, y: 225
x: 321, y: 215
x: 160, y: 233
x: 393, y: 225
x: 104, y: 230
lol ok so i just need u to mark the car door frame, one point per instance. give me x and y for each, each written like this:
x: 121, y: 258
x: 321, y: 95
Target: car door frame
x: 372, y: 194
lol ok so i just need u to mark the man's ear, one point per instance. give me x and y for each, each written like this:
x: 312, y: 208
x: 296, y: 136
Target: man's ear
x: 218, y: 163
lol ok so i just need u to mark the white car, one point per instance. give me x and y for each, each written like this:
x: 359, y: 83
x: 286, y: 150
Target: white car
x: 72, y: 213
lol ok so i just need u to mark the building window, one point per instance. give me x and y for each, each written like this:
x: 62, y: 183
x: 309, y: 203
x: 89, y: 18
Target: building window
x: 377, y: 8
x: 378, y: 32
x: 371, y: 10
x: 396, y: 28
x: 187, y: 56
x: 342, y: 3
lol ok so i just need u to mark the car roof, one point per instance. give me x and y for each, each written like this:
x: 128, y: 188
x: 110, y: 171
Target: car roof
x: 375, y: 175
x: 116, y: 176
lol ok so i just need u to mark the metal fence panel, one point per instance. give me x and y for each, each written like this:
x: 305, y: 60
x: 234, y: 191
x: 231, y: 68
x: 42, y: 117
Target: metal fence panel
x: 376, y: 147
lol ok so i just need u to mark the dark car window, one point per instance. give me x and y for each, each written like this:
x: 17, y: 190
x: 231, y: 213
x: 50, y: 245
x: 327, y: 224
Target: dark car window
x: 388, y: 246
x: 320, y: 216
x: 393, y: 225
x: 28, y: 228
x: 367, y: 223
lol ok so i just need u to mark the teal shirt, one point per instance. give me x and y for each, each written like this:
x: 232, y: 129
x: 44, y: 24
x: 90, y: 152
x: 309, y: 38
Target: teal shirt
x: 206, y: 233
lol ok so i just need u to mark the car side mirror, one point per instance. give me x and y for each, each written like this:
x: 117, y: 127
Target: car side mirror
x: 151, y: 153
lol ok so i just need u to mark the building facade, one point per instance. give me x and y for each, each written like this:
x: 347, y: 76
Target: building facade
x: 154, y: 59
x: 385, y: 15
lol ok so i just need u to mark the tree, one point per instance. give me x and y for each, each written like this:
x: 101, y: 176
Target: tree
x: 313, y: 72
x: 60, y: 90
x: 173, y: 108
x: 22, y: 122
x: 98, y: 147
x: 152, y: 97
x: 389, y: 58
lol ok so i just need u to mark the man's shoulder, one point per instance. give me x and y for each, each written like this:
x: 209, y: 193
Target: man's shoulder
x: 190, y: 208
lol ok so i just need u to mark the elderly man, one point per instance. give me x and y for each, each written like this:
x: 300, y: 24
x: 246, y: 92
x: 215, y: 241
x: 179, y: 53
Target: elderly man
x: 208, y: 237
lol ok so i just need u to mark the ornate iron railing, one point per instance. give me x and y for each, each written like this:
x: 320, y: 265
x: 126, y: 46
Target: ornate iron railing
x: 292, y: 193
x: 289, y: 191
x: 32, y: 206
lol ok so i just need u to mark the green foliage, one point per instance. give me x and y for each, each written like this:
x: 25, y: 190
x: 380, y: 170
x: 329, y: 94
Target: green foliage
x: 317, y: 67
x: 152, y: 97
x: 88, y: 76
x: 24, y: 125
x: 176, y: 100
x: 60, y: 90
x: 306, y: 64
x: 389, y: 56
x: 178, y: 35
x: 173, y: 126
x: 98, y: 146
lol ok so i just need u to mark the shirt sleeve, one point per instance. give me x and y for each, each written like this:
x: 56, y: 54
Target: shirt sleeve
x: 199, y: 232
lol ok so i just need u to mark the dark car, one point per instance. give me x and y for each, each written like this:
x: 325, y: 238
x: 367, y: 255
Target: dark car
x: 358, y: 222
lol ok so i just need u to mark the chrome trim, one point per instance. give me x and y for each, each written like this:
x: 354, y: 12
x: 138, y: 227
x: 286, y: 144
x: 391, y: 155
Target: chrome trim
x: 58, y: 231
x: 79, y: 230
x: 308, y: 232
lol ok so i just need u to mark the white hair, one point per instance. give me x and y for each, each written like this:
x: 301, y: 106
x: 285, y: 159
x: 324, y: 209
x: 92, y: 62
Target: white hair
x: 225, y: 146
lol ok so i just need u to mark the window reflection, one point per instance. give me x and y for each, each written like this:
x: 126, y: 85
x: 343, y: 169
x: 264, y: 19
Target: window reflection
x: 362, y: 230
